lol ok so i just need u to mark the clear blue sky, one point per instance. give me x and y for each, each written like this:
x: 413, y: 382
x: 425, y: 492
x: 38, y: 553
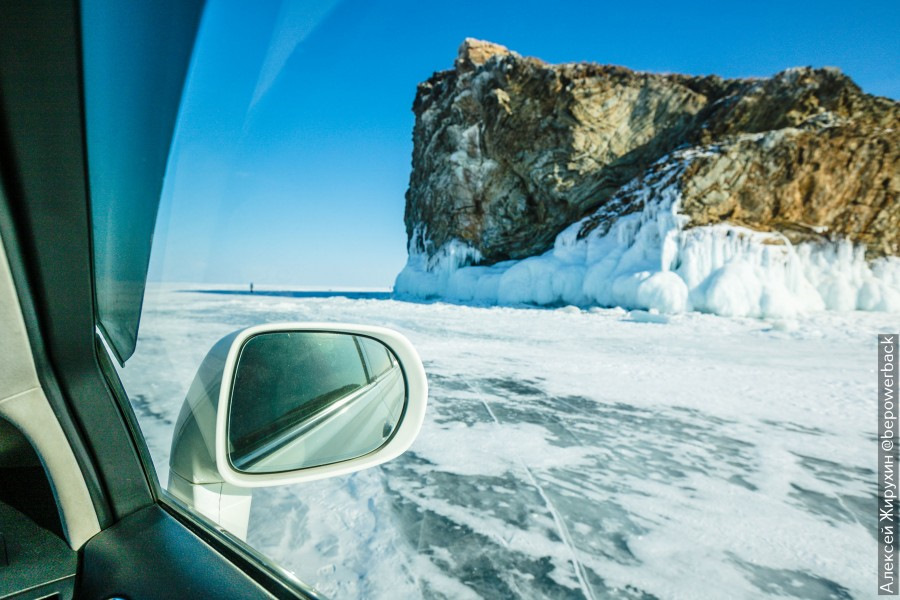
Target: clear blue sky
x: 292, y: 152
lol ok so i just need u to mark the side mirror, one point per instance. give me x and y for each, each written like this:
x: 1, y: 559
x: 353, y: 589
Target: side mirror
x: 287, y: 403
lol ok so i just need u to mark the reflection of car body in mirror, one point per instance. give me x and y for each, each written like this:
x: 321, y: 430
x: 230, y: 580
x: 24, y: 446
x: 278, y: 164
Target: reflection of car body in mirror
x: 277, y: 404
x: 310, y: 399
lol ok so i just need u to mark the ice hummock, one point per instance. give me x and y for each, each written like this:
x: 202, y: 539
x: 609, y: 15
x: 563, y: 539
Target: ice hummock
x: 650, y: 260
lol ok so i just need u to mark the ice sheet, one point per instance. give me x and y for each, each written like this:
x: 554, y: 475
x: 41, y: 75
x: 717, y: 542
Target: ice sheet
x: 570, y: 453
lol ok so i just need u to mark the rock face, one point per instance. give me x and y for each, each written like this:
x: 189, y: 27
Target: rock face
x: 509, y: 151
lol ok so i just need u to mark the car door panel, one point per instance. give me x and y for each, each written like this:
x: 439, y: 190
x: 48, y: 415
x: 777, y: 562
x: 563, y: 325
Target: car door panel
x: 150, y: 554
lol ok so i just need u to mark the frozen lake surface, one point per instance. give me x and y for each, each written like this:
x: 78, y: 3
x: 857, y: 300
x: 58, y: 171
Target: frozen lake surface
x: 572, y: 454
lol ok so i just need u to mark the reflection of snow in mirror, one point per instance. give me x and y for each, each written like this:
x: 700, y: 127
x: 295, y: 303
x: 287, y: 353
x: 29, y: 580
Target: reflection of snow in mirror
x: 567, y: 452
x: 649, y: 260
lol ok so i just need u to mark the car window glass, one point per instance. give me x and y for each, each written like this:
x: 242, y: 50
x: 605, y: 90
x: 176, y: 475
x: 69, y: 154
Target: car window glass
x: 135, y: 61
x: 666, y: 442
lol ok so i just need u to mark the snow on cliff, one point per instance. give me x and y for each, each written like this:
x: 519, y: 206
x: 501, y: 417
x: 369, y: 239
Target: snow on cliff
x: 650, y: 260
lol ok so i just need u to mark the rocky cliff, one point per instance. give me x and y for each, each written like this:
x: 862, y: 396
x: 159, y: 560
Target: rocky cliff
x: 510, y: 152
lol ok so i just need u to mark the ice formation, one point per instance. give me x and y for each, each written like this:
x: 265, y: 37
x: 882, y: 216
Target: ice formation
x: 650, y: 260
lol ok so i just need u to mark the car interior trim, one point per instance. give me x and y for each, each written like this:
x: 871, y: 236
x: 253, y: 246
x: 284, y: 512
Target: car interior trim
x: 24, y: 404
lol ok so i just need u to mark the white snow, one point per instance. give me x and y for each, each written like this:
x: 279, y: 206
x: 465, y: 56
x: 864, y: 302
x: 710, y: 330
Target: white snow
x: 651, y: 260
x: 573, y: 452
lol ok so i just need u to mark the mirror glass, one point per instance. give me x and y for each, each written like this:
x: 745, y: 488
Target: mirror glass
x: 308, y: 398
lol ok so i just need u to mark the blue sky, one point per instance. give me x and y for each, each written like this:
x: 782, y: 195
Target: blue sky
x: 292, y: 151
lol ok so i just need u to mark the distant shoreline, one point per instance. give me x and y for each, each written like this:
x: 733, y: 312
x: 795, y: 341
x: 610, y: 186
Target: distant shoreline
x: 306, y: 293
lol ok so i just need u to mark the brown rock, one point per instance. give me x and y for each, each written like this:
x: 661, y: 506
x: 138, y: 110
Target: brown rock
x: 835, y: 182
x: 474, y: 53
x: 508, y: 151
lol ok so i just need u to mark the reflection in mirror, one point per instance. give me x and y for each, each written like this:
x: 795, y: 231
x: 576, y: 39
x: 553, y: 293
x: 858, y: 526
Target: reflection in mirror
x: 309, y: 398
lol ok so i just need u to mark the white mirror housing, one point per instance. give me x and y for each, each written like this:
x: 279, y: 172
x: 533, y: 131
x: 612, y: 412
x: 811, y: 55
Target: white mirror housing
x: 201, y: 473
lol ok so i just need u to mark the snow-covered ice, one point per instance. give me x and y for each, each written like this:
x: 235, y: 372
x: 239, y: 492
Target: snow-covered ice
x: 650, y: 259
x: 573, y: 453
